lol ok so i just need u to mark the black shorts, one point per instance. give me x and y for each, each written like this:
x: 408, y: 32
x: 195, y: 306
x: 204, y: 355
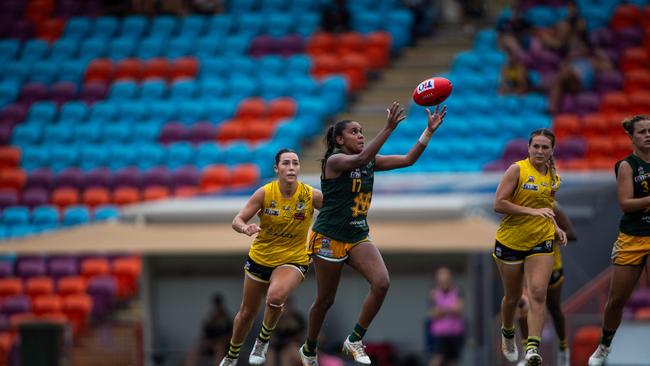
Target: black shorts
x: 262, y: 273
x: 448, y: 346
x: 557, y: 277
x: 510, y: 255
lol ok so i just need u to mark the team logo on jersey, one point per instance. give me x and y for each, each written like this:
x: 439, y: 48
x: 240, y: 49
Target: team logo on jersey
x: 544, y: 184
x: 641, y: 170
x: 531, y: 178
x: 273, y: 203
x: 325, y: 243
x: 286, y: 208
x: 299, y: 216
x: 271, y: 212
x: 498, y: 251
x: 530, y: 187
x: 355, y: 174
x: 301, y: 206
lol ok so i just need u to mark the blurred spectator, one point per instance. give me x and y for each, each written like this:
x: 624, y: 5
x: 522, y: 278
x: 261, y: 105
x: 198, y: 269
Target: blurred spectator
x: 176, y: 7
x: 209, y: 6
x: 514, y: 76
x: 514, y: 32
x: 336, y: 17
x: 214, y: 334
x: 447, y: 325
x: 561, y: 37
x: 288, y: 336
x: 144, y: 6
x: 423, y: 16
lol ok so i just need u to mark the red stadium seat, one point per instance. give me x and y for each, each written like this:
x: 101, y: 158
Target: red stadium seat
x: 154, y: 193
x: 245, y: 175
x: 252, y: 108
x: 565, y: 125
x: 637, y: 80
x: 13, y: 179
x: 614, y: 120
x: 9, y: 157
x: 354, y: 66
x: 51, y: 29
x: 640, y: 102
x: 259, y: 130
x: 6, y: 344
x: 350, y: 42
x: 127, y: 271
x: 96, y: 196
x: 99, y: 70
x: 186, y: 191
x: 325, y: 65
x: 39, y: 10
x: 126, y: 196
x: 642, y: 314
x: 573, y: 165
x: 594, y: 125
x: 38, y: 286
x: 231, y: 130
x: 377, y: 49
x: 625, y: 16
x: 281, y: 108
x: 71, y: 285
x: 584, y: 343
x: 10, y: 287
x: 186, y: 67
x: 47, y: 304
x: 129, y: 69
x: 599, y: 147
x: 602, y: 163
x: 321, y: 43
x: 615, y: 102
x: 622, y: 146
x: 156, y: 68
x: 64, y: 197
x: 77, y: 309
x: 91, y: 267
x: 214, y: 178
x: 634, y: 59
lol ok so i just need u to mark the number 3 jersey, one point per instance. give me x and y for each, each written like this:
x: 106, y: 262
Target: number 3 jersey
x: 346, y: 200
x: 284, y: 224
x: 637, y: 223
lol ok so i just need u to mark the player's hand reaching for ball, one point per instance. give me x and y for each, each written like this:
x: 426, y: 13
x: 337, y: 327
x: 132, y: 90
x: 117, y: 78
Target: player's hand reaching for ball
x: 434, y: 120
x: 250, y: 229
x: 395, y: 115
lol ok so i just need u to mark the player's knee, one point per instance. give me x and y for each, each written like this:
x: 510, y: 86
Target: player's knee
x: 616, y: 302
x: 381, y: 285
x: 537, y: 294
x: 245, y: 313
x: 324, y: 303
x: 275, y: 301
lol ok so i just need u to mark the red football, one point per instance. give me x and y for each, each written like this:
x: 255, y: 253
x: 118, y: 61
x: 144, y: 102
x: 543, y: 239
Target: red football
x: 432, y: 91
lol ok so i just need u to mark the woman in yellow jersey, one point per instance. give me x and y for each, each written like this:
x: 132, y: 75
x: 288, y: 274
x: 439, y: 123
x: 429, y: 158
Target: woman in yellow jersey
x: 278, y: 260
x: 631, y: 252
x: 554, y: 293
x: 524, y: 240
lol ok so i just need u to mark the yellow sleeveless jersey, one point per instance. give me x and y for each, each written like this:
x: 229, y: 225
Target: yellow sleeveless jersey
x: 284, y: 224
x: 523, y: 232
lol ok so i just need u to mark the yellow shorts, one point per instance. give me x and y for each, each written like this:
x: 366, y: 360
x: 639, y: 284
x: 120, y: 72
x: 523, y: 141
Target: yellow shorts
x: 330, y: 249
x: 630, y: 250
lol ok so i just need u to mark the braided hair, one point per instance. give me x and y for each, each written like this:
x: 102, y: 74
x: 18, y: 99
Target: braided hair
x: 551, y: 162
x: 333, y: 132
x: 628, y: 123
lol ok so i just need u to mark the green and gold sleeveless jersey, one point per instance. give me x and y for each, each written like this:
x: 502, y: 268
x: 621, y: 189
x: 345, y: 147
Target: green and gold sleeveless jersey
x: 346, y: 201
x: 523, y: 232
x: 637, y: 223
x: 284, y: 224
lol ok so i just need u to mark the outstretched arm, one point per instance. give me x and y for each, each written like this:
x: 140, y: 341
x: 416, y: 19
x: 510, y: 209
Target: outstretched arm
x: 389, y: 162
x: 240, y: 222
x: 338, y: 163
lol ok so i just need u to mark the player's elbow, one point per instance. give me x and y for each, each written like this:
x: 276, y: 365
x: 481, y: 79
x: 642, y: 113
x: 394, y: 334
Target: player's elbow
x: 498, y: 207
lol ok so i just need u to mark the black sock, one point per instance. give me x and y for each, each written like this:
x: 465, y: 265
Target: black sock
x: 357, y: 333
x: 508, y: 333
x: 265, y: 333
x: 309, y: 348
x: 533, y: 343
x: 233, y: 350
x: 608, y: 336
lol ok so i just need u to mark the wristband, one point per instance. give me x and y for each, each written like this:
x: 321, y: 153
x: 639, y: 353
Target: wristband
x: 425, y: 137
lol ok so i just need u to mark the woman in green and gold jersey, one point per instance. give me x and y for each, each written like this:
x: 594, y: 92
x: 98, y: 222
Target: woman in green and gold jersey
x: 278, y: 259
x: 525, y: 239
x: 631, y: 252
x: 341, y: 234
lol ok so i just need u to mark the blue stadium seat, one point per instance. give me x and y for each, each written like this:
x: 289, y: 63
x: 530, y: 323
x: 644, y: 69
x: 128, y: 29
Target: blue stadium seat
x: 298, y: 65
x: 366, y: 21
x: 92, y: 155
x: 72, y: 70
x: 220, y: 109
x: 219, y: 25
x: 279, y: 24
x: 118, y: 132
x: 74, y: 111
x: 191, y: 111
x: 15, y: 215
x: 208, y: 153
x: 308, y: 23
x: 535, y: 102
x: 274, y: 65
x: 105, y: 27
x: 162, y: 111
x: 34, y: 50
x: 182, y: 90
x: 151, y: 47
x: 19, y: 231
x: 8, y: 92
x: 192, y: 26
x: 237, y: 153
x: 123, y: 90
x: 239, y: 7
x: 44, y: 71
x: 34, y: 157
x: 134, y: 26
x: 272, y: 87
x: 122, y: 48
x: 146, y: 131
x: 103, y: 112
x: 106, y: 212
x: 485, y: 40
x: 14, y: 73
x: 8, y: 49
x: 211, y: 87
x: 466, y: 61
x: 63, y: 156
x: 274, y: 5
x: 243, y: 65
x: 208, y: 46
x: 64, y: 49
x: 164, y: 26
x: 42, y: 113
x: 92, y: 48
x: 121, y: 156
x: 243, y: 86
x: 238, y: 44
x: 150, y: 155
x: 57, y: 134
x: 180, y: 46
x: 75, y: 215
x: 77, y: 28
x: 303, y: 85
x: 214, y: 67
x: 334, y: 93
x: 153, y: 89
x: 133, y: 110
x: 45, y: 218
x: 263, y: 155
x: 180, y: 154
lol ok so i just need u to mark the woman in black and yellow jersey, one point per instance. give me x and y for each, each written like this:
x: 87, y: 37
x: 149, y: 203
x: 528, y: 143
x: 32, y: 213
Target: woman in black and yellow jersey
x: 340, y: 234
x: 524, y: 240
x: 278, y: 259
x: 553, y: 293
x: 631, y: 252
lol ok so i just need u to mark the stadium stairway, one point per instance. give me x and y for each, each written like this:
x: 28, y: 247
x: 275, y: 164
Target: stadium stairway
x: 428, y: 57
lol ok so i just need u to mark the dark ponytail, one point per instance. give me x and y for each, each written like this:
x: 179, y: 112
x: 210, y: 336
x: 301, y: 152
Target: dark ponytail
x: 333, y: 132
x: 628, y: 123
x: 551, y: 162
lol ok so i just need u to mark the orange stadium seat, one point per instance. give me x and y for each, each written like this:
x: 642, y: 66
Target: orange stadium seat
x: 622, y: 146
x: 637, y: 80
x: 10, y: 287
x: 186, y: 191
x: 599, y: 147
x: 642, y: 314
x: 156, y: 68
x: 51, y: 29
x: 96, y: 196
x: 594, y: 125
x: 37, y: 286
x: 377, y: 49
x: 634, y: 59
x: 6, y: 343
x: 71, y: 285
x: 625, y: 16
x: 602, y: 163
x: 39, y: 10
x: 245, y: 175
x: 99, y: 69
x: 281, y: 108
x: 614, y: 121
x: 155, y: 193
x: 91, y: 267
x: 231, y: 130
x: 129, y: 69
x: 126, y: 195
x: 640, y: 102
x: 354, y: 66
x: 185, y: 67
x: 64, y: 197
x: 573, y: 165
x: 350, y: 42
x: 214, y: 178
x: 9, y: 157
x: 127, y: 271
x: 17, y: 319
x: 77, y: 309
x: 321, y: 43
x: 251, y: 108
x: 615, y: 102
x: 324, y: 65
x: 13, y: 179
x: 259, y: 130
x: 45, y: 304
x: 565, y: 125
x: 584, y: 343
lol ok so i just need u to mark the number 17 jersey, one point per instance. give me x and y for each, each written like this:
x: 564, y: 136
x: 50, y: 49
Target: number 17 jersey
x: 346, y: 200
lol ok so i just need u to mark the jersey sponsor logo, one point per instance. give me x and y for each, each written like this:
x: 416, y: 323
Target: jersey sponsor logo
x: 498, y: 252
x: 548, y: 244
x: 271, y: 212
x: 530, y: 187
x: 325, y: 243
x: 301, y: 206
x: 299, y: 216
x: 273, y: 203
x: 425, y: 85
x: 361, y: 204
x: 355, y: 174
x: 641, y: 177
